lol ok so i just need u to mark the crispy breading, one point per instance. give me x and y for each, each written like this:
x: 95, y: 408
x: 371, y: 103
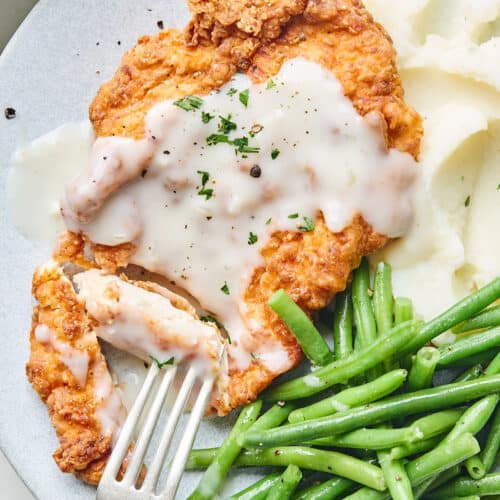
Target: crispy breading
x: 257, y: 37
x: 73, y: 403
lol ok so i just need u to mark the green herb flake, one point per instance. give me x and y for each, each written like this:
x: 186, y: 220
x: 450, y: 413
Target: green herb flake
x: 226, y: 125
x: 244, y: 97
x: 217, y: 139
x: 268, y: 221
x: 189, y: 103
x: 205, y: 176
x: 242, y: 146
x: 229, y: 341
x: 206, y: 117
x: 232, y: 91
x: 252, y: 238
x: 308, y: 225
x: 498, y: 187
x: 293, y: 216
x: 275, y: 153
x: 467, y: 201
x: 210, y: 319
x: 270, y: 85
x: 254, y: 356
x: 225, y: 289
x: 160, y: 364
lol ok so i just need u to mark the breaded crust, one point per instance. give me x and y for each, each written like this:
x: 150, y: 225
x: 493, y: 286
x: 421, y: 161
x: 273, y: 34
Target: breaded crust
x: 257, y: 37
x: 84, y: 447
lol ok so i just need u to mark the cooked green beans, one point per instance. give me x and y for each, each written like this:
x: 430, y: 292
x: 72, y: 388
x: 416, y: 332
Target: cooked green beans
x: 366, y: 327
x: 463, y: 486
x: 435, y: 423
x: 444, y: 477
x: 345, y: 369
x: 407, y: 450
x: 475, y: 467
x: 284, y: 488
x: 212, y: 480
x: 273, y: 417
x: 472, y: 373
x: 397, y: 406
x: 423, y: 367
x: 457, y: 313
x: 403, y: 310
x: 396, y: 477
x: 354, y: 396
x: 342, y: 325
x: 485, y: 319
x: 311, y: 341
x: 258, y: 490
x: 492, y: 445
x: 426, y: 466
x: 327, y: 490
x: 469, y: 346
x: 304, y: 457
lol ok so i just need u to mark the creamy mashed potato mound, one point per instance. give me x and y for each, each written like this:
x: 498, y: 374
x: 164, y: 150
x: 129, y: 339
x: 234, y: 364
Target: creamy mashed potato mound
x: 448, y: 57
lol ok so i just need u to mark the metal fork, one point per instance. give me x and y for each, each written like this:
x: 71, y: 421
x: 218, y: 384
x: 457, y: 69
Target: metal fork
x: 110, y: 488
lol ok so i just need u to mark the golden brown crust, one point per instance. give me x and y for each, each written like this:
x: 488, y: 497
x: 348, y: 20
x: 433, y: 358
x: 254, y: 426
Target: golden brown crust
x: 83, y: 449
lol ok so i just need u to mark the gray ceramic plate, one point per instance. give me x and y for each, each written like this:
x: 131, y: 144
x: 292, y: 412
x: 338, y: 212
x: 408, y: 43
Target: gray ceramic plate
x: 49, y: 73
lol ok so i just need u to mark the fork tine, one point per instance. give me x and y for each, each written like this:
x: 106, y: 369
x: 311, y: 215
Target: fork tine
x: 179, y: 461
x: 142, y: 442
x: 159, y: 457
x: 122, y: 445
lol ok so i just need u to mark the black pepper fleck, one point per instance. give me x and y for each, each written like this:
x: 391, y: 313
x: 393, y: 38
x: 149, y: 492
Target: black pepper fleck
x: 10, y: 113
x: 160, y: 24
x: 119, y: 42
x: 166, y: 152
x: 144, y: 172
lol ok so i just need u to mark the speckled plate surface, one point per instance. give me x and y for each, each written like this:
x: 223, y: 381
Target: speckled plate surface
x: 49, y: 73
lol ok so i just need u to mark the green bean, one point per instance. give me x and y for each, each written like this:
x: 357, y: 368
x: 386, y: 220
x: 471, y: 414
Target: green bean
x: 482, y: 358
x: 422, y: 370
x: 468, y: 497
x: 354, y: 396
x: 396, y: 477
x: 432, y: 463
x: 345, y: 369
x: 408, y: 450
x: 494, y: 367
x: 369, y: 439
x: 435, y: 423
x: 420, y: 490
x: 366, y: 328
x: 284, y: 488
x: 342, y: 325
x: 382, y: 297
x: 485, y: 319
x: 327, y: 490
x: 492, y: 445
x: 403, y: 310
x: 214, y: 476
x: 304, y: 457
x: 463, y: 486
x: 469, y: 346
x: 258, y: 490
x: 474, y: 418
x: 425, y: 400
x: 475, y: 467
x: 311, y: 341
x: 457, y: 313
x: 444, y: 477
x: 471, y: 374
x: 273, y: 417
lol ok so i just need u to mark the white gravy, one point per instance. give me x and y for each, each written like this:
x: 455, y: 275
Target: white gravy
x: 76, y: 361
x: 330, y: 159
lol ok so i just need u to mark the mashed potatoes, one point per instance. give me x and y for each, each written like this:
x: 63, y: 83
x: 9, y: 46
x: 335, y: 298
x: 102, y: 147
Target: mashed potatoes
x: 449, y: 53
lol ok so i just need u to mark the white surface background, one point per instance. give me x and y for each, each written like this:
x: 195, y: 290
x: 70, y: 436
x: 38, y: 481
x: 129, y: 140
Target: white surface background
x: 12, y: 12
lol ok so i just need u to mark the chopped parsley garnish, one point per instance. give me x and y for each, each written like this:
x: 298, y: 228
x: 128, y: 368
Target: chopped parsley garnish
x: 270, y: 84
x: 229, y: 341
x: 217, y: 139
x: 307, y: 226
x: 467, y: 201
x: 268, y: 221
x: 232, y: 91
x: 254, y: 356
x: 210, y: 319
x: 498, y: 187
x: 275, y: 153
x: 225, y: 289
x: 252, y: 238
x: 206, y: 117
x: 242, y: 146
x: 244, y: 97
x: 204, y: 191
x: 160, y: 364
x: 226, y: 125
x: 189, y: 103
x: 293, y: 216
